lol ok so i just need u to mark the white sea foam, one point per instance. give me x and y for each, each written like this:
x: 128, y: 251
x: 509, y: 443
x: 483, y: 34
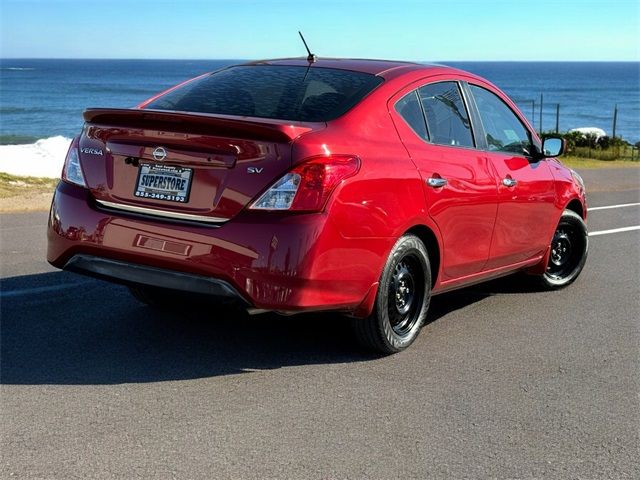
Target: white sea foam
x: 41, y: 159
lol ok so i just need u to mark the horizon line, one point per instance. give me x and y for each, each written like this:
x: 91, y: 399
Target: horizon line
x: 347, y: 58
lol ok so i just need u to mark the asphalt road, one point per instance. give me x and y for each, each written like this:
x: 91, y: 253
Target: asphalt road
x: 502, y: 383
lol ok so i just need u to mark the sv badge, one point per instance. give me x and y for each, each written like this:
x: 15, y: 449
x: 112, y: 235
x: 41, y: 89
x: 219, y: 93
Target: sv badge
x: 255, y: 169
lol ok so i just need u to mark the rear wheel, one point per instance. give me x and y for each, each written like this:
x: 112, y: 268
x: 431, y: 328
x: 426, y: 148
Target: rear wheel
x: 402, y: 300
x: 568, y: 255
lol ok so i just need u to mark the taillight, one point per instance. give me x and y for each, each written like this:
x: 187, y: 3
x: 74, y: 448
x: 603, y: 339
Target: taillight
x: 72, y: 171
x: 307, y: 187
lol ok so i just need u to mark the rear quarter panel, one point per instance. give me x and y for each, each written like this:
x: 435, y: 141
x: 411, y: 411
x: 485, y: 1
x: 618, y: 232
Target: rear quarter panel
x: 370, y: 211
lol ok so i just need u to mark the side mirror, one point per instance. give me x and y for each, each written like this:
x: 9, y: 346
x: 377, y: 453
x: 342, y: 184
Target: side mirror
x: 553, y: 147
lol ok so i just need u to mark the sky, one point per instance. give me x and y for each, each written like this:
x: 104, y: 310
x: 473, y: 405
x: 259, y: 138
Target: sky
x: 519, y: 30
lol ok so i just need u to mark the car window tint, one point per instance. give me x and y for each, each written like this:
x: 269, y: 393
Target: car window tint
x: 313, y: 94
x: 504, y: 130
x: 447, y: 118
x: 408, y: 107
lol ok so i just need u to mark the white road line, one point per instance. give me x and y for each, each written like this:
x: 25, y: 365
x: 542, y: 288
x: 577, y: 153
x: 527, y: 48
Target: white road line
x: 622, y: 205
x: 614, y: 230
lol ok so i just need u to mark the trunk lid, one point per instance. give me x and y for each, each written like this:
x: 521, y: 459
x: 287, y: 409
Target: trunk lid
x: 182, y: 165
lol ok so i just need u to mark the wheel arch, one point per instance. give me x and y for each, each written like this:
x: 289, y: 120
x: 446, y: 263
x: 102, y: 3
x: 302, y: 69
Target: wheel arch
x: 428, y: 237
x: 576, y: 206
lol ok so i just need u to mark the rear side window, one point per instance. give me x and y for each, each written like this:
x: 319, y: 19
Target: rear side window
x: 280, y: 92
x: 505, y: 132
x: 447, y: 118
x: 408, y: 107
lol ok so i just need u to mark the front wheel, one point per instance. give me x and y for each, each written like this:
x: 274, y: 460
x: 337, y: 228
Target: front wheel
x: 568, y: 254
x: 402, y: 300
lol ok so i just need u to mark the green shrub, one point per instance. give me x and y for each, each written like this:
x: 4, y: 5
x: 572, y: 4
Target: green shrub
x: 588, y: 145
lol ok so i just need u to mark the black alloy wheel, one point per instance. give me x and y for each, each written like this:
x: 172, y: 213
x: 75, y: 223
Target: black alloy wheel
x: 406, y: 294
x: 402, y: 300
x: 568, y: 251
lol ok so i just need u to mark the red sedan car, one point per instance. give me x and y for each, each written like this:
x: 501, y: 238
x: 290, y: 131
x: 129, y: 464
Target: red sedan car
x: 358, y: 186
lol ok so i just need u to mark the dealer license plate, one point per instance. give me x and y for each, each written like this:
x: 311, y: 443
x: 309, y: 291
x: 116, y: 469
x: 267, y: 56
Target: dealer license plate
x: 163, y: 182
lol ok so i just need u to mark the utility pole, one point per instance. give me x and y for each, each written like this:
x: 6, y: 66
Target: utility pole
x: 615, y: 120
x: 533, y: 111
x: 557, y: 117
x: 540, y: 124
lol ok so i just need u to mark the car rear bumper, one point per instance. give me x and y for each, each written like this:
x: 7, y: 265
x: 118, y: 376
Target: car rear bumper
x: 133, y: 274
x: 285, y: 263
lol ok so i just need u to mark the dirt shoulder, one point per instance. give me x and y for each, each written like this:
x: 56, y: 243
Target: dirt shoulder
x: 25, y: 194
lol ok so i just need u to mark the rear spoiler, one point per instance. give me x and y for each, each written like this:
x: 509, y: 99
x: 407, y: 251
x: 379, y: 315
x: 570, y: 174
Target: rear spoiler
x: 200, y: 123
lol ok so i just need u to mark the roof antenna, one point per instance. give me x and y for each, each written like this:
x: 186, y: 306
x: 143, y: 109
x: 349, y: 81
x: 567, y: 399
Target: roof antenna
x: 312, y: 58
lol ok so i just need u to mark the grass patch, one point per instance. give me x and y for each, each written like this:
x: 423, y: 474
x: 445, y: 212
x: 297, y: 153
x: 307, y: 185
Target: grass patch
x: 624, y: 152
x: 583, y: 162
x: 13, y: 186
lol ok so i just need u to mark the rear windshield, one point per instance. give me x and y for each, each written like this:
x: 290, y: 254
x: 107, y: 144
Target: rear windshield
x: 269, y: 91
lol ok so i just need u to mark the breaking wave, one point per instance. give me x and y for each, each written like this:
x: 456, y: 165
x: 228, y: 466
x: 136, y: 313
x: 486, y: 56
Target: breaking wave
x: 43, y: 158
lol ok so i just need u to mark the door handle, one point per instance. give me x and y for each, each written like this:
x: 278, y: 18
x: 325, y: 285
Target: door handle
x: 509, y: 182
x: 436, y: 182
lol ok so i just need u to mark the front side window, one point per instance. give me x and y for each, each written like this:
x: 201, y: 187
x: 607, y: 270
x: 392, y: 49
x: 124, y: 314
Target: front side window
x: 504, y: 130
x: 447, y: 119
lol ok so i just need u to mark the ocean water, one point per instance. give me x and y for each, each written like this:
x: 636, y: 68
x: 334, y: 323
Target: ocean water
x: 587, y: 92
x: 41, y: 101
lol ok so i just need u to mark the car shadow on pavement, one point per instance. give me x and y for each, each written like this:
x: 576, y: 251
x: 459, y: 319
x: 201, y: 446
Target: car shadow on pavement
x: 61, y: 328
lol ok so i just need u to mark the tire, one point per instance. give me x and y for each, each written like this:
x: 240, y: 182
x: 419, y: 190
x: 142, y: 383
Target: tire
x: 569, y: 248
x: 402, y: 300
